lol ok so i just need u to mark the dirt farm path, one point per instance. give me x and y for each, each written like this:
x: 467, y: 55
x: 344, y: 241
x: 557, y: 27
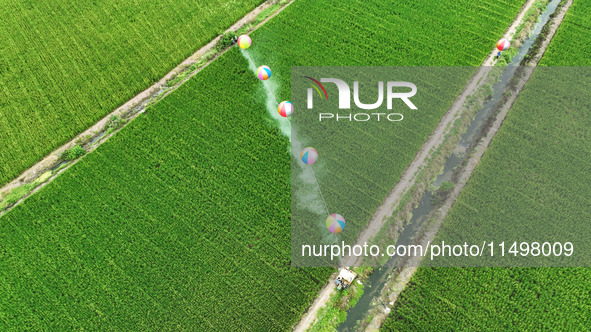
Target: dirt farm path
x: 409, y: 176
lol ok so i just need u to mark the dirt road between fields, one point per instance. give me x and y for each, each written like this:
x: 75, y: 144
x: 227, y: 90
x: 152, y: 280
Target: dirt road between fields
x: 409, y: 176
x: 407, y: 272
x: 132, y: 108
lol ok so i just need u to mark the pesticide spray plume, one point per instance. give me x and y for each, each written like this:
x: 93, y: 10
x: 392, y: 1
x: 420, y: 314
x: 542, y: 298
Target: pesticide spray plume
x: 271, y: 89
x: 308, y: 196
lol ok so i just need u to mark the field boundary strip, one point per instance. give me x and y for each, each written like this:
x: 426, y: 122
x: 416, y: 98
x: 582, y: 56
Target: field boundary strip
x: 98, y: 133
x: 410, y: 174
x: 406, y: 272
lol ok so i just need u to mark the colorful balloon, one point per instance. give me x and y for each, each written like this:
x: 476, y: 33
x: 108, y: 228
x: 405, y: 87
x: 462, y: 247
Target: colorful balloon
x: 264, y: 73
x: 335, y: 223
x: 503, y: 44
x: 244, y: 42
x: 309, y: 156
x: 285, y: 108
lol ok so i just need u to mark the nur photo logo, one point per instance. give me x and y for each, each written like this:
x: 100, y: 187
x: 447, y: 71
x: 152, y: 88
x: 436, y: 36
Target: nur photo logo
x: 394, y: 90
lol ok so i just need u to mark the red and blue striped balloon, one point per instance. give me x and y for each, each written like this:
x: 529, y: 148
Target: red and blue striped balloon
x: 285, y: 108
x: 503, y: 44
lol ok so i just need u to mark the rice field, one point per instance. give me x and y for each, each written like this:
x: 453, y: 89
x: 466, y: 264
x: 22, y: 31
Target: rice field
x: 182, y: 219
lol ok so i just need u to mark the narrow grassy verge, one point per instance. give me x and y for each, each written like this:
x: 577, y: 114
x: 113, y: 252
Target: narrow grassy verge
x: 335, y: 311
x: 530, y: 17
x: 18, y: 193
